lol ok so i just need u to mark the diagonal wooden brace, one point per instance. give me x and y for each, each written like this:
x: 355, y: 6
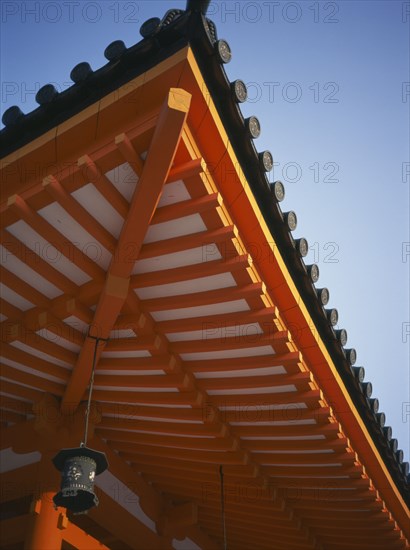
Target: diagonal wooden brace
x: 154, y: 174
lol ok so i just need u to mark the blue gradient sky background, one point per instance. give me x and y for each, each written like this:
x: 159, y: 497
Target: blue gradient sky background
x: 327, y: 80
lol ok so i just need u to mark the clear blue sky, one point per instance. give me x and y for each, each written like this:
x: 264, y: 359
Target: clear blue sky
x: 327, y: 80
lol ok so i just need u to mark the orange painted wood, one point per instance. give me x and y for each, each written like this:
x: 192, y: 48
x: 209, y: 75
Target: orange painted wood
x: 166, y: 428
x: 45, y: 533
x: 124, y: 145
x: 203, y: 298
x: 325, y: 484
x: 156, y: 167
x: 92, y: 174
x: 186, y: 242
x: 151, y: 342
x: 289, y: 361
x: 265, y: 316
x: 324, y: 460
x: 186, y: 208
x: 135, y: 411
x: 242, y: 402
x: 51, y: 235
x: 10, y: 311
x: 273, y: 446
x: 31, y: 380
x: 124, y: 526
x: 215, y: 457
x: 180, y: 381
x: 78, y: 213
x: 323, y: 474
x: 165, y: 362
x: 181, y: 467
x: 80, y: 539
x: 301, y: 380
x: 320, y: 426
x: 189, y: 272
x: 13, y: 530
x: 22, y: 288
x: 11, y: 417
x: 21, y: 408
x: 26, y: 335
x: 17, y: 390
x: 37, y: 262
x: 186, y: 170
x: 167, y: 441
x: 149, y: 398
x: 38, y: 319
x: 66, y: 306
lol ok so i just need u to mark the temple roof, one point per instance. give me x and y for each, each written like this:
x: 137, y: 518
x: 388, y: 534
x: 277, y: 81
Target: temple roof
x: 277, y: 360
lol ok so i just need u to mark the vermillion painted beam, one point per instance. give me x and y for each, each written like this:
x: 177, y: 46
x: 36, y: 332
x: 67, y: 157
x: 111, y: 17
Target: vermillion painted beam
x: 200, y: 298
x: 156, y: 167
x: 79, y: 213
x: 37, y: 263
x: 195, y: 271
x: 186, y: 208
x: 91, y: 173
x: 54, y: 237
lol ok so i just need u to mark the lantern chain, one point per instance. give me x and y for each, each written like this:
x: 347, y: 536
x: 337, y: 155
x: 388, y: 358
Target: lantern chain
x: 221, y: 476
x: 87, y: 411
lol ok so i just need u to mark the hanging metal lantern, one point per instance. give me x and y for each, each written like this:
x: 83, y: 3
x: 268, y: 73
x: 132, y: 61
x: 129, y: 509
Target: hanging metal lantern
x: 78, y: 468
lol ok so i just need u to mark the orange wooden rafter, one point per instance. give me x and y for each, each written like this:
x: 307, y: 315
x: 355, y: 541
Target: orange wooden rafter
x: 79, y: 213
x: 54, y: 237
x: 170, y: 428
x: 31, y: 380
x: 37, y: 263
x: 18, y: 331
x: 186, y: 242
x: 156, y: 167
x: 77, y: 537
x: 222, y: 320
x: 22, y: 288
x: 91, y: 173
x: 195, y: 271
x: 10, y: 311
x: 208, y: 297
x: 187, y: 208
